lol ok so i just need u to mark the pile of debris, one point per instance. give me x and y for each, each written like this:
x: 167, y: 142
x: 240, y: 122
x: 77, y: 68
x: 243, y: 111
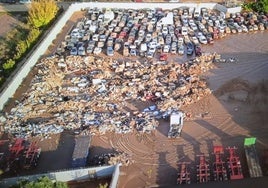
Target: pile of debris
x: 111, y: 159
x: 91, y: 93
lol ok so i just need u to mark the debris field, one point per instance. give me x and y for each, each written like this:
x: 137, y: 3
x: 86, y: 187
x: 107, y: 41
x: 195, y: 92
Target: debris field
x: 99, y: 94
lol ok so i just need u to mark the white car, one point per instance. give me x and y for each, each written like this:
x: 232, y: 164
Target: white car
x: 95, y: 37
x: 25, y: 1
x: 152, y: 50
x: 191, y: 22
x: 203, y: 40
x: 199, y: 34
x: 239, y: 29
x: 148, y: 37
x: 221, y: 29
x: 184, y: 31
x: 166, y: 49
x: 152, y: 45
x: 143, y: 47
x: 141, y: 33
x: 180, y: 40
x: 181, y: 50
x: 165, y: 30
x: 97, y: 50
x: 244, y: 28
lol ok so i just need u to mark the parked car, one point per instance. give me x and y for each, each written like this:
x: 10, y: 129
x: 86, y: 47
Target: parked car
x: 173, y: 50
x: 90, y: 49
x: 110, y: 51
x: 133, y: 52
x: 195, y: 40
x: 73, y: 51
x: 203, y: 40
x: 163, y: 57
x: 166, y: 49
x: 190, y: 48
x: 95, y: 37
x: 181, y: 50
x: 81, y: 50
x: 97, y: 50
x: 150, y: 54
x: 210, y: 38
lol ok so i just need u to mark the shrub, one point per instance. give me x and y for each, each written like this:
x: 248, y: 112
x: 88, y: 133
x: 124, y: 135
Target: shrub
x: 21, y: 48
x: 9, y: 64
x: 32, y: 36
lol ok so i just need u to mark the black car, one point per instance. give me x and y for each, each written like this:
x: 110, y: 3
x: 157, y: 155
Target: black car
x: 9, y: 1
x: 190, y: 48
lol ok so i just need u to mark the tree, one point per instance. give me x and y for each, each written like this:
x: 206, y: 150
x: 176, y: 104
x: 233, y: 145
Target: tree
x: 43, y: 182
x: 32, y: 36
x: 9, y: 64
x: 259, y: 6
x: 42, y: 12
x: 20, y: 49
x: 103, y: 186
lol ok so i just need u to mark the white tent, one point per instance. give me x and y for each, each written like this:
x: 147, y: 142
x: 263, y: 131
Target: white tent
x: 108, y: 16
x: 168, y: 20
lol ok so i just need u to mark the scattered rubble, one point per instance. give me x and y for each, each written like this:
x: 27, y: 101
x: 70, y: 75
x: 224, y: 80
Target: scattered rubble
x: 112, y: 159
x: 78, y: 93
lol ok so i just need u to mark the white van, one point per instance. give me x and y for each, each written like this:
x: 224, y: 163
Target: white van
x: 25, y: 1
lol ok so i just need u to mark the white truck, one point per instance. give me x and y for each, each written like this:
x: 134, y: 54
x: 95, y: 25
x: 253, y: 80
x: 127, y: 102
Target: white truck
x: 176, y: 124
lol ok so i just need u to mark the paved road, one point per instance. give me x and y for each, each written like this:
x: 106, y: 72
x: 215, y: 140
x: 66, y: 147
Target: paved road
x: 22, y: 7
x: 13, y: 8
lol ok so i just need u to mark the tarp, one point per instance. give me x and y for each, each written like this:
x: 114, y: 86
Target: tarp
x: 168, y: 20
x: 249, y: 141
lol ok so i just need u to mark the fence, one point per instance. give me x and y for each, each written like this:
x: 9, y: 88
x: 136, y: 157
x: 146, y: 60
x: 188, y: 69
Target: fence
x: 68, y: 175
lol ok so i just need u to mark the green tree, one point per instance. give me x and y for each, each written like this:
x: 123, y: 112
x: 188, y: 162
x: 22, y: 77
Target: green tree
x: 259, y: 6
x: 103, y: 186
x: 32, y: 36
x: 42, y: 12
x: 9, y: 64
x: 43, y: 182
x: 20, y: 49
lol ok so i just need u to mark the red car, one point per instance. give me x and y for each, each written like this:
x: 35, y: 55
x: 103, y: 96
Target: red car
x: 122, y: 34
x: 163, y: 57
